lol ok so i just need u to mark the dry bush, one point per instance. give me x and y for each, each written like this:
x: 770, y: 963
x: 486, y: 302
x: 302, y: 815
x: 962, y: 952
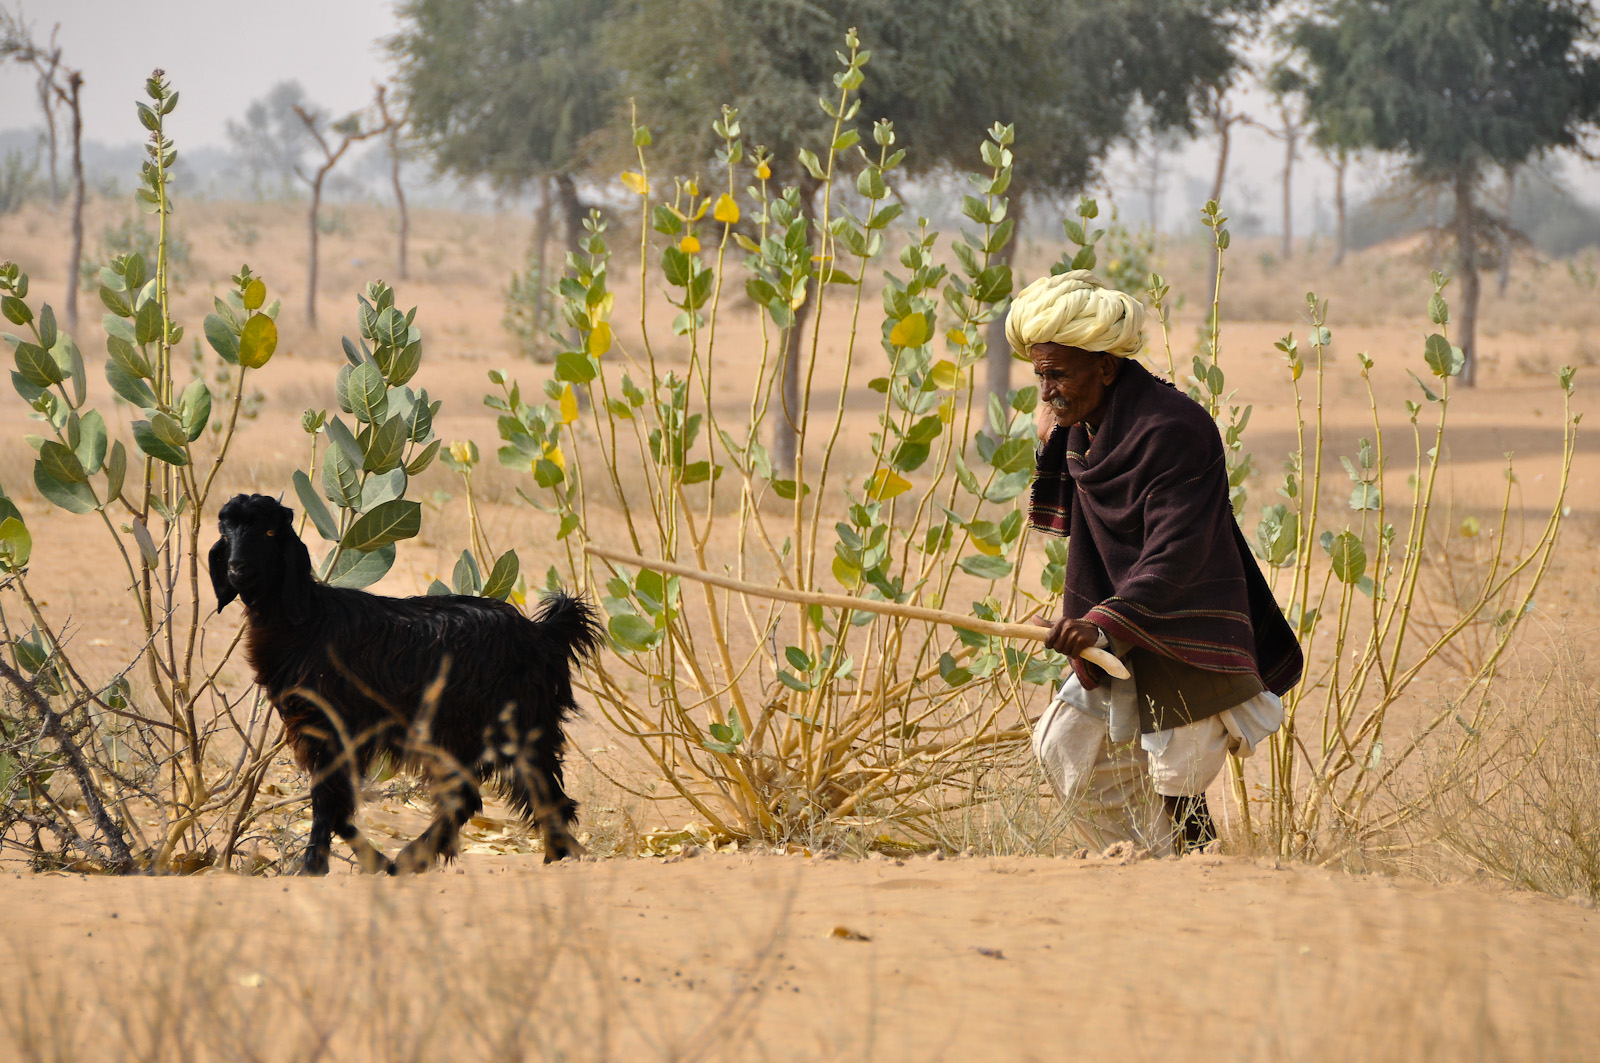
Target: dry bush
x: 1522, y: 801
x: 365, y: 979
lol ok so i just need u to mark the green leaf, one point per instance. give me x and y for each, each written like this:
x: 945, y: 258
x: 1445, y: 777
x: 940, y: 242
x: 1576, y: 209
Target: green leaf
x: 130, y: 387
x: 953, y: 673
x: 1349, y: 557
x: 793, y: 682
x: 632, y: 633
x: 675, y: 266
x: 1442, y: 358
x: 61, y: 463
x: 128, y: 357
x: 574, y: 367
x: 15, y: 310
x: 547, y: 473
x: 147, y: 323
x: 362, y: 568
x: 37, y: 366
x: 313, y: 505
x: 466, y: 579
x: 1366, y: 497
x: 257, y: 340
x: 384, y: 524
x: 16, y: 545
x: 71, y: 496
x: 808, y: 159
x: 194, y: 408
x: 985, y: 568
x: 698, y: 472
x: 382, y: 487
x: 798, y: 659
x: 91, y: 448
x: 341, y: 437
x: 385, y: 445
x: 116, y: 469
x: 503, y: 577
x: 152, y: 443
x: 222, y: 339
x: 367, y: 393
x: 424, y: 459
x: 341, y: 480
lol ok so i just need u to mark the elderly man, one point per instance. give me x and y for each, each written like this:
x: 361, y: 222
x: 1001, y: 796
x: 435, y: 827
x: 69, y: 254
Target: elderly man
x: 1157, y: 570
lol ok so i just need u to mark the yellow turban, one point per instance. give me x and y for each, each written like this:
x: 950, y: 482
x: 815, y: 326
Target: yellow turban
x: 1075, y: 309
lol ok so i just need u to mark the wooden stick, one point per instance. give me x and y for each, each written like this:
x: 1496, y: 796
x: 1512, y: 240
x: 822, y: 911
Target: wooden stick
x: 1031, y: 632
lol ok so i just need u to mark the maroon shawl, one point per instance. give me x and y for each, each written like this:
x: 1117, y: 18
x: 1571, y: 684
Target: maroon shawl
x: 1155, y: 557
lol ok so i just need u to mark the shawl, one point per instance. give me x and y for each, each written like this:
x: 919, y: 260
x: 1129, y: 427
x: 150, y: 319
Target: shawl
x: 1155, y: 557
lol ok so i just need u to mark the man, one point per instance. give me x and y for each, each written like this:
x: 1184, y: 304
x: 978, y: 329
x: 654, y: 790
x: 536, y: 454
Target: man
x: 1157, y: 569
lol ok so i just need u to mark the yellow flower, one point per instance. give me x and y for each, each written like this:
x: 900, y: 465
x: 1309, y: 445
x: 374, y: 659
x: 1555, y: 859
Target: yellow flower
x: 461, y: 450
x: 763, y: 172
x: 553, y: 452
x: 689, y: 245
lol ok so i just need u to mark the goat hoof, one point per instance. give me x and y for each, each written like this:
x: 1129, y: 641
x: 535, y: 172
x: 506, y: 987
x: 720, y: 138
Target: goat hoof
x: 314, y: 865
x: 410, y: 863
x: 563, y: 849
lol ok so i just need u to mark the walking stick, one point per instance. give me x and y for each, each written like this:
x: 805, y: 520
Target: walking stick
x: 1094, y: 655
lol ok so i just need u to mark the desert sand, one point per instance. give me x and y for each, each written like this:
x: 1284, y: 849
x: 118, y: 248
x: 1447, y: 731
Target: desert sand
x: 741, y: 954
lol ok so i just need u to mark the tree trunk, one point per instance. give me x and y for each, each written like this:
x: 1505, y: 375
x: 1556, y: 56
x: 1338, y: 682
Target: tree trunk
x: 74, y: 87
x: 538, y: 254
x: 1224, y: 126
x: 400, y: 200
x: 786, y: 429
x: 1467, y: 241
x: 1341, y: 163
x: 311, y: 252
x: 786, y: 426
x: 999, y: 357
x: 1503, y: 278
x: 1290, y: 138
x: 572, y: 210
x: 46, y: 104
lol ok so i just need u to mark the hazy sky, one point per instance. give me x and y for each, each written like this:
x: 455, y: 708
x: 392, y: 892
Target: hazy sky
x: 221, y: 55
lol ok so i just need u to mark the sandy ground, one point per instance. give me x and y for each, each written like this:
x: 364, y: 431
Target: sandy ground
x: 1207, y: 958
x: 788, y: 958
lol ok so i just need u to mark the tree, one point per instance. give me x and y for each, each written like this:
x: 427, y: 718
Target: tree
x: 271, y: 142
x: 348, y: 131
x: 1077, y: 76
x: 1285, y: 89
x: 58, y: 85
x: 395, y: 129
x: 279, y: 132
x: 1459, y: 87
x: 769, y: 61
x: 512, y: 91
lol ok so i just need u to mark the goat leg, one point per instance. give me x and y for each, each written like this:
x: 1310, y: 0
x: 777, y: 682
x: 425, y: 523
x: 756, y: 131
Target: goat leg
x: 457, y: 800
x: 536, y: 788
x: 369, y: 856
x: 333, y: 804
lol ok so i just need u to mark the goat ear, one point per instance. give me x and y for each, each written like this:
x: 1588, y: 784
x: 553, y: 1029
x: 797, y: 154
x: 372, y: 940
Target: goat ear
x: 297, y: 576
x: 218, y: 561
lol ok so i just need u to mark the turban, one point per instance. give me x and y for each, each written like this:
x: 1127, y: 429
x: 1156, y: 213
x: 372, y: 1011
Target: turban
x: 1075, y: 309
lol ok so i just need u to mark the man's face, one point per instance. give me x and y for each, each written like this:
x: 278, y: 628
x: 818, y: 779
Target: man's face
x: 1072, y: 382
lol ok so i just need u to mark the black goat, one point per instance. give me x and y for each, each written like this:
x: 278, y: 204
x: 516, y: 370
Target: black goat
x: 466, y: 688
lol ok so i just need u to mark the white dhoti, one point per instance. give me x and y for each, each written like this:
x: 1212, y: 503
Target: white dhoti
x: 1108, y: 775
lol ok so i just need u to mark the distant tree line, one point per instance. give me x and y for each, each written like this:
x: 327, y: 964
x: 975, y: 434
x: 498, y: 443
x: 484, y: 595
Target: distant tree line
x: 528, y: 94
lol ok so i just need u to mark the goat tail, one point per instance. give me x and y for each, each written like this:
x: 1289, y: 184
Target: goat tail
x: 573, y: 623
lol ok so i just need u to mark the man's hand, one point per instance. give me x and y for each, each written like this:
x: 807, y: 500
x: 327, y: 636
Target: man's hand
x: 1070, y: 637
